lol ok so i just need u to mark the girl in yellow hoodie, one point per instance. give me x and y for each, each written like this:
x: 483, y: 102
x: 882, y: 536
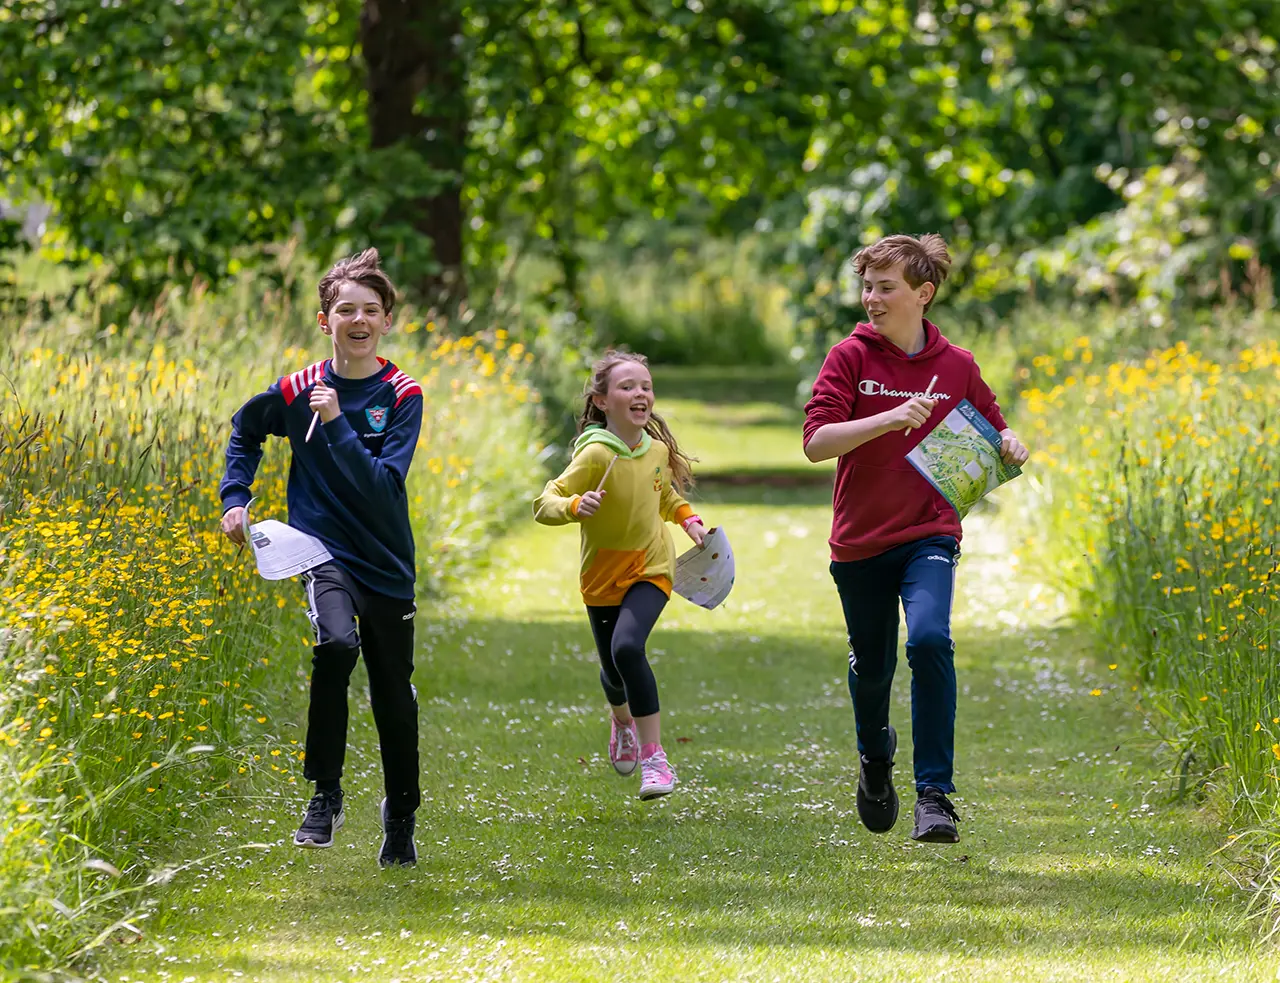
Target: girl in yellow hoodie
x: 623, y: 484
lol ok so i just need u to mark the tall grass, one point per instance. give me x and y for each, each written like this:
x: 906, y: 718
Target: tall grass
x: 137, y: 645
x: 702, y: 316
x: 676, y: 301
x: 1159, y: 483
x: 1153, y: 500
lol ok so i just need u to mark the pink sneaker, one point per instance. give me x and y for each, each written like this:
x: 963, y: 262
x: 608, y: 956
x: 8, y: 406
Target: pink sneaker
x: 624, y: 746
x: 656, y: 776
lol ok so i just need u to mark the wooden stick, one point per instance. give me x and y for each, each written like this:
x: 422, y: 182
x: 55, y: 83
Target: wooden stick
x: 606, y: 473
x: 315, y: 418
x: 927, y: 391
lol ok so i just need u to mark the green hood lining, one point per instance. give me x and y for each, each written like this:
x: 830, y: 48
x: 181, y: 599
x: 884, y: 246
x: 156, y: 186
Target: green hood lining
x: 596, y: 434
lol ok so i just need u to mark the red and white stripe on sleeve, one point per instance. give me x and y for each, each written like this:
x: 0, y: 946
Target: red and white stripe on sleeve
x: 295, y: 384
x: 404, y: 385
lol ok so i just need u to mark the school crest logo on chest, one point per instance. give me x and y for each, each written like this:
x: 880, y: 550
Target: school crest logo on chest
x: 657, y: 479
x: 377, y: 417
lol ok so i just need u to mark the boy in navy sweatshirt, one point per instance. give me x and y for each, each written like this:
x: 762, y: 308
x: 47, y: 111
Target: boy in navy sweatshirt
x: 893, y: 536
x: 347, y: 488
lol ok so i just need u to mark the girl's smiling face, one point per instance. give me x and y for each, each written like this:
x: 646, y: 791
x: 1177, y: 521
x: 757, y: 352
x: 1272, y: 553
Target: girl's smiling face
x: 629, y: 398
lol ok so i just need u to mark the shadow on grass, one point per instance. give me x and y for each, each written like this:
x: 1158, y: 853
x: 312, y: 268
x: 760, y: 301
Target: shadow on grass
x: 997, y: 913
x: 761, y: 486
x: 525, y: 832
x: 728, y: 384
x: 734, y: 417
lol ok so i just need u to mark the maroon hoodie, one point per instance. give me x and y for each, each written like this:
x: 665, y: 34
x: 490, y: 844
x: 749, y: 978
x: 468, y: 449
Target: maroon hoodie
x: 880, y: 500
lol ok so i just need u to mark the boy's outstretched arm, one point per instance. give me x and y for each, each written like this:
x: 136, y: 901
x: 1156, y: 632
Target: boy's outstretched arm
x: 259, y: 418
x: 836, y: 439
x: 381, y: 477
x: 828, y: 430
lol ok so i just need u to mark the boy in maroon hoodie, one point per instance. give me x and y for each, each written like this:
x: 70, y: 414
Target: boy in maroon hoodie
x: 892, y: 534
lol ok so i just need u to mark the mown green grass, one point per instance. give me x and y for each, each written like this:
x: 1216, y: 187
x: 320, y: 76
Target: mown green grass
x: 538, y: 863
x: 749, y: 442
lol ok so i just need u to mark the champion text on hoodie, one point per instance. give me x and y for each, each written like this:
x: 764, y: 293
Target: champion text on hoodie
x: 880, y: 500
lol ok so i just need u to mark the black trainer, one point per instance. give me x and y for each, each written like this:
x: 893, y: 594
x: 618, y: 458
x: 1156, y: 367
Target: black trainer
x: 398, y: 848
x: 877, y: 800
x: 324, y: 818
x: 936, y: 818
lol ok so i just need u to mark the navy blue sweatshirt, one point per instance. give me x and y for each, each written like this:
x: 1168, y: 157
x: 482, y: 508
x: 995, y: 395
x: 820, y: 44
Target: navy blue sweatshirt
x: 346, y: 487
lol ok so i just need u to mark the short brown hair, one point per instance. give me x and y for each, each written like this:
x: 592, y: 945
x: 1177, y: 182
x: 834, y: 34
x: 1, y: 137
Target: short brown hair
x: 924, y: 260
x: 363, y: 269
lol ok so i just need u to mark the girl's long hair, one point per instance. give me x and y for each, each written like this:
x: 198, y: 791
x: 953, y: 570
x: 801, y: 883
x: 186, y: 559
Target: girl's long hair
x: 598, y: 385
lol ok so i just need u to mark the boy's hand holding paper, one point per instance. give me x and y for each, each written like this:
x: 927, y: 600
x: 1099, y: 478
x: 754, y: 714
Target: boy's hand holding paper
x: 964, y: 458
x: 233, y: 525
x: 1012, y: 450
x: 280, y: 550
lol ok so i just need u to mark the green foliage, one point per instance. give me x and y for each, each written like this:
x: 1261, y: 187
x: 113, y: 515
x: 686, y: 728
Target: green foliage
x: 184, y: 141
x: 587, y: 116
x: 1158, y: 251
x: 688, y: 308
x: 1003, y: 125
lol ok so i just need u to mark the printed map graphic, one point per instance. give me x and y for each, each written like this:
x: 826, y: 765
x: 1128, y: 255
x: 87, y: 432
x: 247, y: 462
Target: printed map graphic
x: 961, y: 458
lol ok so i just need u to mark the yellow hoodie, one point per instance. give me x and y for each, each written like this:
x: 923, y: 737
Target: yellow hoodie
x: 625, y: 541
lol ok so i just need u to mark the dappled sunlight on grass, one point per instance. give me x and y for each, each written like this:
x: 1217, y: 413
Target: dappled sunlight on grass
x: 539, y: 863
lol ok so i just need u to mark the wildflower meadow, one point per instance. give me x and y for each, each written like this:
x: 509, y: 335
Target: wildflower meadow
x: 137, y: 644
x: 1154, y: 497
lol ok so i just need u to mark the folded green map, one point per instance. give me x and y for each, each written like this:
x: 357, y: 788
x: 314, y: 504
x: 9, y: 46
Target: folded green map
x: 961, y: 458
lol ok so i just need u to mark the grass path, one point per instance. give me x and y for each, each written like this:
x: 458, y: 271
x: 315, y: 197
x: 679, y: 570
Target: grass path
x: 538, y: 863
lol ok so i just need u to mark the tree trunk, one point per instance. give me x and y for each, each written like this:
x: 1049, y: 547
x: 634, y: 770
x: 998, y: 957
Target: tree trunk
x: 417, y: 97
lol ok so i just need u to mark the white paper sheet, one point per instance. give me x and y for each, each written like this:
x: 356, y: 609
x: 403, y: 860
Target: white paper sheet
x: 705, y: 574
x: 282, y: 551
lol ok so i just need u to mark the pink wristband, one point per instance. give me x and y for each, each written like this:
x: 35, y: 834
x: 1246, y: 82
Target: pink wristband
x: 690, y: 521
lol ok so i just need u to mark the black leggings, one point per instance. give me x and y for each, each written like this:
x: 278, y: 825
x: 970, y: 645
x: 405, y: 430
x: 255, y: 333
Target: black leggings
x: 621, y: 632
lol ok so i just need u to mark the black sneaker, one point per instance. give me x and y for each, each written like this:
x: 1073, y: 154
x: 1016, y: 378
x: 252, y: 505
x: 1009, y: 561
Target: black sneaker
x: 877, y: 800
x: 935, y: 818
x: 398, y: 848
x: 324, y: 818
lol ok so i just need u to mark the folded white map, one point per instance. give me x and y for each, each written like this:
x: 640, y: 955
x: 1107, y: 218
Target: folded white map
x: 705, y: 574
x: 280, y: 550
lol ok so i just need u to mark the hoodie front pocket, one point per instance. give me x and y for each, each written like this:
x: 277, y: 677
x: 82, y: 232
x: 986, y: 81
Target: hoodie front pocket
x: 882, y: 502
x: 613, y: 571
